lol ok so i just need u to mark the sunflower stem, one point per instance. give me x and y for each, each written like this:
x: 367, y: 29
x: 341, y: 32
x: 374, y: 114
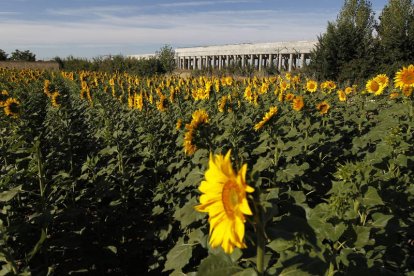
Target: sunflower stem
x: 260, y: 240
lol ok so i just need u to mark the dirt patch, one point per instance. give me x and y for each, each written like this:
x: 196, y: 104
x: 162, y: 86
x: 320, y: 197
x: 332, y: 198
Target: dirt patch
x: 41, y: 65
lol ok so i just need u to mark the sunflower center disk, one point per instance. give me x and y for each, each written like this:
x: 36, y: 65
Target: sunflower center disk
x: 409, y: 79
x: 230, y: 197
x: 374, y: 86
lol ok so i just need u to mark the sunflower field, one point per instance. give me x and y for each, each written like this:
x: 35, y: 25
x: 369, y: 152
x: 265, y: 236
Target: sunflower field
x: 116, y: 174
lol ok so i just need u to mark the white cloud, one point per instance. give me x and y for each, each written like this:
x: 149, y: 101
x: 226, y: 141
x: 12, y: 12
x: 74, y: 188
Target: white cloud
x: 200, y: 28
x: 205, y: 3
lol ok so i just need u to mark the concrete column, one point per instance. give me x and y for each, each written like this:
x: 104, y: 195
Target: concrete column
x: 260, y: 61
x: 227, y: 61
x: 242, y: 61
x: 270, y: 60
x: 290, y: 62
x: 252, y: 61
x: 219, y: 62
x: 279, y: 62
x: 302, y: 60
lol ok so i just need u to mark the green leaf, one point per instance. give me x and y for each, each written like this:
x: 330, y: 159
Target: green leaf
x: 193, y: 179
x: 187, y: 214
x: 291, y: 171
x: 198, y: 236
x: 293, y: 270
x: 401, y: 160
x: 380, y: 220
x: 334, y: 232
x: 262, y: 164
x: 372, y: 198
x: 157, y: 210
x: 262, y: 148
x: 218, y: 265
x: 280, y: 245
x: 246, y: 272
x: 362, y: 234
x: 112, y: 248
x: 10, y: 194
x: 178, y: 256
x: 108, y: 151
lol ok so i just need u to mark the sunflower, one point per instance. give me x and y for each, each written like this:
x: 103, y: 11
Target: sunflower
x: 404, y: 77
x: 224, y: 199
x: 11, y: 107
x: 248, y: 94
x: 284, y: 86
x: 46, y: 86
x: 272, y: 111
x: 289, y: 97
x: 55, y: 99
x: 138, y: 101
x: 178, y: 124
x: 348, y: 90
x: 323, y: 107
x: 311, y: 86
x: 407, y: 91
x: 4, y: 95
x: 382, y: 79
x: 394, y: 95
x: 199, y: 117
x: 264, y: 88
x: 222, y: 104
x: 297, y: 103
x: 189, y: 147
x: 217, y: 85
x: 162, y: 103
x: 228, y: 81
x: 328, y: 86
x: 341, y: 95
x: 374, y: 86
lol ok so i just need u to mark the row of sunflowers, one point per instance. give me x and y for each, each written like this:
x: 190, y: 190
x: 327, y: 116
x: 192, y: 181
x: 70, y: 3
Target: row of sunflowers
x: 296, y: 175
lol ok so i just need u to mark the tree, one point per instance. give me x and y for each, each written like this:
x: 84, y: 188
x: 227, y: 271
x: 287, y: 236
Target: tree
x: 347, y: 50
x: 23, y: 55
x: 166, y: 56
x: 396, y: 33
x: 3, y: 55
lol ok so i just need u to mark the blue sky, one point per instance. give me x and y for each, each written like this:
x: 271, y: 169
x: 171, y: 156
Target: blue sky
x: 91, y: 28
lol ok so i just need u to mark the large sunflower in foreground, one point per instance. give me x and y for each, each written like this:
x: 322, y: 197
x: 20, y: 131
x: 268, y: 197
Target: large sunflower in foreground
x: 224, y: 199
x: 11, y: 107
x: 404, y: 77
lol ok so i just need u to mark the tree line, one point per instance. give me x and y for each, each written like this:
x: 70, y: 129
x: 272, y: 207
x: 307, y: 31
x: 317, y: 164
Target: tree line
x: 163, y: 62
x: 17, y: 55
x: 357, y: 45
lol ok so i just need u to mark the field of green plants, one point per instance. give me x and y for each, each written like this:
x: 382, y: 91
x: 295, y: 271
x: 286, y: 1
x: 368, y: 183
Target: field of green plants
x: 282, y: 175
